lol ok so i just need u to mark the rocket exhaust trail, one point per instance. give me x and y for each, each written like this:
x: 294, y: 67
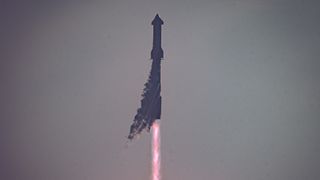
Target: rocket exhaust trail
x: 149, y: 113
x: 156, y: 163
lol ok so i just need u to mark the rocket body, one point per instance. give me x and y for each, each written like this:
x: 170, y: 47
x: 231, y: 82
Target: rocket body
x: 150, y: 109
x: 157, y: 52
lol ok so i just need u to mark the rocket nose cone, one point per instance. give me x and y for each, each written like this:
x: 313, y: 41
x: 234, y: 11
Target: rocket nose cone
x: 157, y: 20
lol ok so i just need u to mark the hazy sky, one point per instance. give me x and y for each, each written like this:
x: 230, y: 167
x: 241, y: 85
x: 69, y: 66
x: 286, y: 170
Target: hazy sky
x: 240, y: 89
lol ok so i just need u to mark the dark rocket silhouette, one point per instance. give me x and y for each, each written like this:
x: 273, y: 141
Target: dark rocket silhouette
x: 150, y: 109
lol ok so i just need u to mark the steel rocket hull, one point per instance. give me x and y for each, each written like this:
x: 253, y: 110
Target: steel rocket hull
x: 150, y: 108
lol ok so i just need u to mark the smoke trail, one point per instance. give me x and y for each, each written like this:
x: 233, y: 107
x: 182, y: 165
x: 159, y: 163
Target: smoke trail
x: 155, y: 174
x: 150, y: 108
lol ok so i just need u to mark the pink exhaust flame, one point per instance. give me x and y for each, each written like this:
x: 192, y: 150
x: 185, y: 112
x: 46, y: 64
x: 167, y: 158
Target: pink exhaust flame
x: 156, y: 151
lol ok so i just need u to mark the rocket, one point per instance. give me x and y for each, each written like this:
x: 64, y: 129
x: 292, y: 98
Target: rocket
x: 156, y: 52
x: 150, y: 109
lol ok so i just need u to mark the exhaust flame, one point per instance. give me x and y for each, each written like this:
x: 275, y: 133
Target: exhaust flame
x: 155, y: 151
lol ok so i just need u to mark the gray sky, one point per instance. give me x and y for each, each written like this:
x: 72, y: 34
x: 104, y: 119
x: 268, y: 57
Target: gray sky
x: 240, y: 89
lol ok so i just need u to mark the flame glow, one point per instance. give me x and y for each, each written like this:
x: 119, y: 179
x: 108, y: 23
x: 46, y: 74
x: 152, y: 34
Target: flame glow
x: 155, y: 174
